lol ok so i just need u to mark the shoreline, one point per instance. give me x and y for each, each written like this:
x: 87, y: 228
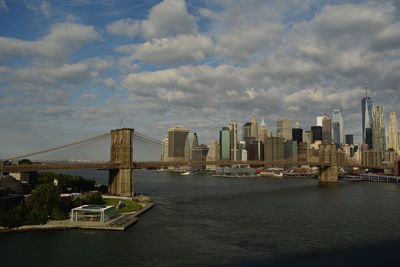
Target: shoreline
x: 120, y: 223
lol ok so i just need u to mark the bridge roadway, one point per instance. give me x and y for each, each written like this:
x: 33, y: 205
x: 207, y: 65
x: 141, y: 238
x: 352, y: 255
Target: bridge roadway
x: 156, y: 164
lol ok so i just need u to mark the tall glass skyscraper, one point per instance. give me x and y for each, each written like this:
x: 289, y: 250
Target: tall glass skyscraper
x: 225, y: 144
x: 366, y: 113
x: 338, y: 127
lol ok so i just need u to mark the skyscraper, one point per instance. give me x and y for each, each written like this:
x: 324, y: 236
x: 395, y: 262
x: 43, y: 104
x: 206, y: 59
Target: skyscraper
x: 284, y: 128
x: 319, y: 120
x: 366, y: 113
x: 225, y: 144
x: 234, y: 139
x: 297, y: 135
x: 213, y: 154
x: 164, y: 150
x: 368, y: 137
x: 191, y: 141
x: 254, y: 128
x: 338, y: 127
x: 176, y: 143
x: 378, y: 129
x: 326, y: 130
x: 307, y: 137
x: 393, y: 137
x: 246, y: 130
x: 349, y: 139
x: 274, y: 149
x: 263, y: 131
x: 316, y: 134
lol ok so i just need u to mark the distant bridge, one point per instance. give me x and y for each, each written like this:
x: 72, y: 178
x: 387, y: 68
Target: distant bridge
x: 121, y: 165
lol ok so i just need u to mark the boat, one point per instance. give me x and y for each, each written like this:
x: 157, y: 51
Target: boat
x: 186, y: 173
x: 271, y: 174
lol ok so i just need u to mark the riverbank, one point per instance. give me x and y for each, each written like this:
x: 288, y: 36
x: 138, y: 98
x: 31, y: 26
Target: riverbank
x: 119, y: 223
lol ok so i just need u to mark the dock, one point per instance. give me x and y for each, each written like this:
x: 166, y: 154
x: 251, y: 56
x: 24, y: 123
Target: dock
x: 370, y: 178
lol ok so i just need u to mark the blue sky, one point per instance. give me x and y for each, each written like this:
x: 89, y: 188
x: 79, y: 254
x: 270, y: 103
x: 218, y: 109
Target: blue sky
x: 73, y: 69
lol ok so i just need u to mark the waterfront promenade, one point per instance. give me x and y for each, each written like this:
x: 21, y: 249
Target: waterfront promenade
x: 119, y: 223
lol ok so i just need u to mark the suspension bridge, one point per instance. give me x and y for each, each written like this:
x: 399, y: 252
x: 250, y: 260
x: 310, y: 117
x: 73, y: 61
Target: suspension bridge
x: 121, y: 161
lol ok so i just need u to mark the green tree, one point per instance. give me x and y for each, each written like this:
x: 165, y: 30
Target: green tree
x: 43, y: 200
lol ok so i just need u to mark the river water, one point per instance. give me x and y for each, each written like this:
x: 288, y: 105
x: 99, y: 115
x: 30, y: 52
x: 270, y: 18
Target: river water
x: 204, y: 220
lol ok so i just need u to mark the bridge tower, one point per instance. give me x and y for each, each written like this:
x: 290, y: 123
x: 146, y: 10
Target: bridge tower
x: 328, y: 155
x: 120, y: 181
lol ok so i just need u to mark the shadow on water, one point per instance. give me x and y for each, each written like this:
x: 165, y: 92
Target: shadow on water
x: 384, y: 253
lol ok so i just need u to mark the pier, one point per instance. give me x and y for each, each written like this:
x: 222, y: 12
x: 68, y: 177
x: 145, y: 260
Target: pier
x: 370, y: 178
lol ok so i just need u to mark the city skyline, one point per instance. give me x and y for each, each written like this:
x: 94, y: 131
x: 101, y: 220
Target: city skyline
x: 77, y: 69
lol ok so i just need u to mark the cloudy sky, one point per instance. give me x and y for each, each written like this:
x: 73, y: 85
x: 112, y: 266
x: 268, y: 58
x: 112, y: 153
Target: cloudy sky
x: 77, y: 68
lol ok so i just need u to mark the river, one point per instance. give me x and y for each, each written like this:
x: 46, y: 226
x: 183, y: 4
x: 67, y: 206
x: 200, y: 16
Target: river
x: 204, y: 220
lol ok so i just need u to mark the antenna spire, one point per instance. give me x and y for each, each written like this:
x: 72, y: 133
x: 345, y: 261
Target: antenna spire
x: 366, y: 89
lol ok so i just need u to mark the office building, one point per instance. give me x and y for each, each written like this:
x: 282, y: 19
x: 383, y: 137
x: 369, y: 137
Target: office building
x: 199, y: 153
x: 242, y: 152
x: 284, y: 128
x: 319, y: 120
x: 393, y: 132
x: 225, y: 144
x: 290, y: 150
x: 366, y: 115
x: 368, y: 137
x: 246, y: 130
x: 164, y: 149
x: 176, y: 143
x: 307, y: 137
x: 336, y: 133
x: 326, y: 130
x: 378, y: 129
x: 255, y: 151
x: 191, y: 141
x: 234, y: 139
x: 254, y: 128
x: 297, y: 135
x: 274, y: 149
x: 338, y: 127
x: 262, y: 131
x: 316, y: 134
x: 349, y: 139
x: 213, y: 154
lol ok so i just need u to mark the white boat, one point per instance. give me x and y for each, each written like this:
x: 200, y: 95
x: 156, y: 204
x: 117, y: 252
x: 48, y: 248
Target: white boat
x: 186, y: 173
x: 271, y: 174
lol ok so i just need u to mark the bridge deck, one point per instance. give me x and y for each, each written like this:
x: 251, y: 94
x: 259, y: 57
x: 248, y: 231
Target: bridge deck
x: 156, y: 164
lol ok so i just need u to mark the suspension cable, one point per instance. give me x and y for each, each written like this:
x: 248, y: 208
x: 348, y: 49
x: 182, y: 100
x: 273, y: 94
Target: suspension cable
x: 59, y: 147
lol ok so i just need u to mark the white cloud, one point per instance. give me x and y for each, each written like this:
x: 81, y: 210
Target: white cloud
x: 240, y: 43
x: 124, y: 27
x: 58, y: 45
x: 110, y: 82
x: 180, y: 49
x: 389, y: 38
x: 67, y: 74
x: 100, y: 63
x: 169, y: 18
x: 350, y: 19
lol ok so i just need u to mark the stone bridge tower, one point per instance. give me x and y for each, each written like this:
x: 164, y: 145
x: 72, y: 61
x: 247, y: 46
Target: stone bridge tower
x: 328, y: 155
x: 120, y: 181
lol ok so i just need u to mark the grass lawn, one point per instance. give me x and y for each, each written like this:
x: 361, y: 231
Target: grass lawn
x: 130, y: 204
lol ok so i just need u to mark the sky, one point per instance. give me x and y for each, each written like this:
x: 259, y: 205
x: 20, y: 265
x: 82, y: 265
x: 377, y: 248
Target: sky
x: 74, y: 69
